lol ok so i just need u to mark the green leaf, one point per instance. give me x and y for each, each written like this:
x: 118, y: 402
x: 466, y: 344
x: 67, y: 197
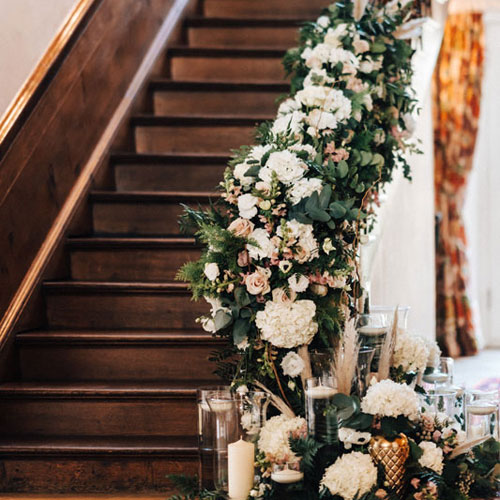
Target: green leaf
x: 312, y: 202
x: 360, y: 187
x: 324, y: 197
x: 366, y: 158
x: 240, y: 330
x: 378, y: 47
x: 242, y: 297
x: 337, y: 211
x: 415, y: 450
x: 222, y: 319
x: 378, y: 160
x: 342, y: 169
x: 320, y: 215
x: 253, y: 171
x: 302, y: 218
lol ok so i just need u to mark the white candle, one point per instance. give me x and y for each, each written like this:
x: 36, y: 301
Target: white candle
x: 321, y: 392
x: 240, y: 469
x: 220, y: 405
x: 459, y: 390
x: 373, y: 331
x: 481, y: 409
x: 287, y: 476
x: 436, y: 377
x: 476, y: 431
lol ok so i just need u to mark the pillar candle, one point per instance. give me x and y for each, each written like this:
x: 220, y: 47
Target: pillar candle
x: 240, y: 469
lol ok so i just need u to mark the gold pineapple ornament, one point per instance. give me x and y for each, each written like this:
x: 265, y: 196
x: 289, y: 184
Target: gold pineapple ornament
x: 392, y: 454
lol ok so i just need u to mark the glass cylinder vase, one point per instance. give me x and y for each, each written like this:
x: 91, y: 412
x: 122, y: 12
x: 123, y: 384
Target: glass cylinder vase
x: 363, y: 370
x: 440, y: 404
x: 481, y: 414
x: 252, y: 408
x: 321, y: 419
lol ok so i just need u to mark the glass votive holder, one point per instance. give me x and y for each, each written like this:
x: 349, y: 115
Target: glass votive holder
x: 320, y: 415
x: 363, y: 370
x: 440, y: 403
x: 440, y: 375
x: 481, y: 414
x: 287, y: 473
x: 252, y: 408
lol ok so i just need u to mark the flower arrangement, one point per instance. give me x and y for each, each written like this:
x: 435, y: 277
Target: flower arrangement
x: 280, y: 265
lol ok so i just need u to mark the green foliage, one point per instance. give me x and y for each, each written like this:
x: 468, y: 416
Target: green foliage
x: 188, y: 489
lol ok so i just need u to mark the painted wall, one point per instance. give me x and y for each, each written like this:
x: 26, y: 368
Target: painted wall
x: 26, y: 29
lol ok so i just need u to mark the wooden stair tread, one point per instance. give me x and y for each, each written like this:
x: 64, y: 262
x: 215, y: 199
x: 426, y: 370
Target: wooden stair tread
x: 221, y: 22
x: 226, y: 86
x: 92, y: 286
x: 74, y: 445
x: 83, y: 243
x: 115, y: 337
x: 152, y: 196
x: 198, y: 120
x: 238, y: 52
x: 102, y: 390
x: 166, y: 158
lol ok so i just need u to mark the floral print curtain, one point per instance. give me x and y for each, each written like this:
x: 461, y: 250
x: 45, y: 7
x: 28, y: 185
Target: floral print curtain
x: 457, y: 86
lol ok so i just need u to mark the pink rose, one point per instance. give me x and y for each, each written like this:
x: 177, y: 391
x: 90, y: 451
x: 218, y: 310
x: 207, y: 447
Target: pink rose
x: 258, y: 282
x: 380, y: 493
x: 241, y: 227
x: 280, y: 296
x: 415, y: 482
x: 436, y: 435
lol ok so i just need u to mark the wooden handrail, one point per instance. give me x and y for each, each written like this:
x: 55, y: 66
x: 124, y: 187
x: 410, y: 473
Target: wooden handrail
x: 33, y: 84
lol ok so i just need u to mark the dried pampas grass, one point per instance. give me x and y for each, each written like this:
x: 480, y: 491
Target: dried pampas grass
x: 346, y: 358
x: 359, y: 8
x: 385, y: 361
x: 467, y: 446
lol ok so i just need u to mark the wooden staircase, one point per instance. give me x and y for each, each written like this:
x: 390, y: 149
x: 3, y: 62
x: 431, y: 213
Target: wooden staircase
x: 105, y: 398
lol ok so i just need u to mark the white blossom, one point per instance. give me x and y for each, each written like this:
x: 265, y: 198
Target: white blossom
x: 290, y: 124
x: 298, y: 283
x: 292, y: 364
x: 410, y: 352
x: 304, y: 188
x: 287, y: 325
x: 239, y: 174
x: 352, y: 436
x: 247, y: 205
x: 288, y: 167
x: 432, y: 458
x: 351, y: 476
x: 211, y: 271
x: 263, y: 248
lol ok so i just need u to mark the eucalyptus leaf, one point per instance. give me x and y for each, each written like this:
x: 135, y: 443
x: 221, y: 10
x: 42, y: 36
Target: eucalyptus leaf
x: 240, y: 330
x: 366, y: 158
x: 342, y: 169
x: 242, y: 297
x: 222, y: 319
x: 319, y: 215
x: 324, y: 197
x: 253, y: 171
x: 337, y: 211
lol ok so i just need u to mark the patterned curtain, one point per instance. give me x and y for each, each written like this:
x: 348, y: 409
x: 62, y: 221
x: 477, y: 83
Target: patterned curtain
x: 457, y: 86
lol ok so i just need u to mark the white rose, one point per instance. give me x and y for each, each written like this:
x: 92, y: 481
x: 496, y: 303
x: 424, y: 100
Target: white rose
x: 328, y: 245
x: 265, y: 247
x: 323, y: 21
x: 239, y: 173
x: 281, y: 296
x: 211, y: 271
x: 432, y: 458
x: 288, y: 167
x: 246, y: 206
x: 298, y: 283
x: 319, y: 120
x: 292, y: 364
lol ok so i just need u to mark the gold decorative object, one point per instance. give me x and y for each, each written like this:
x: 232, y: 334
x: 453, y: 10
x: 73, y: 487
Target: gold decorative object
x: 392, y: 454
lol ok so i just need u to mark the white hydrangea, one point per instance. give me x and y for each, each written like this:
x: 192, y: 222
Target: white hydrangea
x: 432, y: 456
x: 317, y: 56
x: 310, y: 150
x: 319, y: 120
x: 298, y: 283
x: 304, y: 236
x: 333, y: 35
x: 434, y: 353
x: 351, y: 476
x: 352, y: 436
x: 323, y: 21
x: 348, y: 59
x: 289, y: 168
x: 304, y: 188
x: 288, y: 325
x: 292, y: 364
x: 265, y: 247
x: 275, y: 435
x: 257, y: 152
x: 318, y: 76
x: 328, y: 99
x: 390, y: 399
x: 410, y: 352
x: 239, y: 174
x: 288, y: 106
x: 290, y: 124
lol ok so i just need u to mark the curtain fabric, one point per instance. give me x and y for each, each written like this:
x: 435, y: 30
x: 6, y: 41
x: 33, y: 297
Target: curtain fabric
x: 457, y: 90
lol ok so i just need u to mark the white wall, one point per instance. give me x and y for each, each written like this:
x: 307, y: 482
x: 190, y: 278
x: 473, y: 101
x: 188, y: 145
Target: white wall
x: 26, y: 29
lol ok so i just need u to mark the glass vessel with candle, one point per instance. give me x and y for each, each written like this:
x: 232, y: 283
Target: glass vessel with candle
x: 440, y: 403
x: 481, y: 414
x: 321, y: 420
x: 363, y: 370
x: 252, y: 408
x: 440, y: 375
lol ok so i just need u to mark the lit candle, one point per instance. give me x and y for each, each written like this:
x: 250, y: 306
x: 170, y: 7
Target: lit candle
x: 220, y: 405
x: 476, y: 431
x: 481, y: 409
x: 240, y: 469
x: 287, y: 476
x: 373, y: 331
x: 436, y: 377
x: 321, y: 392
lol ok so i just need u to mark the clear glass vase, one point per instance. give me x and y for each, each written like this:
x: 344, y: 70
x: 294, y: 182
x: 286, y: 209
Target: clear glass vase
x: 481, y: 414
x: 363, y: 370
x: 225, y: 431
x: 322, y: 422
x: 252, y: 408
x: 440, y: 403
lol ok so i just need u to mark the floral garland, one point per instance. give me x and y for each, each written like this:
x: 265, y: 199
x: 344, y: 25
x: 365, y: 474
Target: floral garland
x: 279, y: 267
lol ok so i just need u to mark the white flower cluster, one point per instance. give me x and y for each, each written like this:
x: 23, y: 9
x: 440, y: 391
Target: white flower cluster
x: 352, y: 436
x: 287, y: 325
x: 389, y: 399
x: 410, y: 353
x: 432, y: 456
x: 434, y: 353
x: 275, y: 435
x: 292, y: 364
x: 351, y: 476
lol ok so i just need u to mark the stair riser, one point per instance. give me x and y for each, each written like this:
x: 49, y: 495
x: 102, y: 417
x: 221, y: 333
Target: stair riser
x: 123, y: 311
x: 264, y: 8
x: 195, y: 139
x: 129, y: 264
x: 242, y: 37
x: 248, y: 69
x: 137, y: 218
x: 107, y: 474
x: 86, y: 417
x: 215, y: 103
x: 117, y: 363
x: 167, y: 177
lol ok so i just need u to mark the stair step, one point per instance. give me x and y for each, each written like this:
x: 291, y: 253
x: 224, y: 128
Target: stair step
x: 143, y: 213
x: 217, y: 98
x: 94, y: 465
x: 129, y: 259
x: 291, y: 9
x: 194, y: 134
x: 118, y: 306
x: 215, y: 64
x: 168, y: 172
x: 140, y: 356
x: 241, y: 32
x: 99, y: 409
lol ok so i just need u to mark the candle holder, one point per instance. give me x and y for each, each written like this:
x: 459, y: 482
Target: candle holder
x: 440, y: 403
x: 206, y: 427
x: 363, y: 370
x: 287, y: 473
x: 481, y: 414
x: 224, y: 411
x: 440, y: 375
x: 322, y: 422
x: 322, y: 362
x: 252, y: 408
